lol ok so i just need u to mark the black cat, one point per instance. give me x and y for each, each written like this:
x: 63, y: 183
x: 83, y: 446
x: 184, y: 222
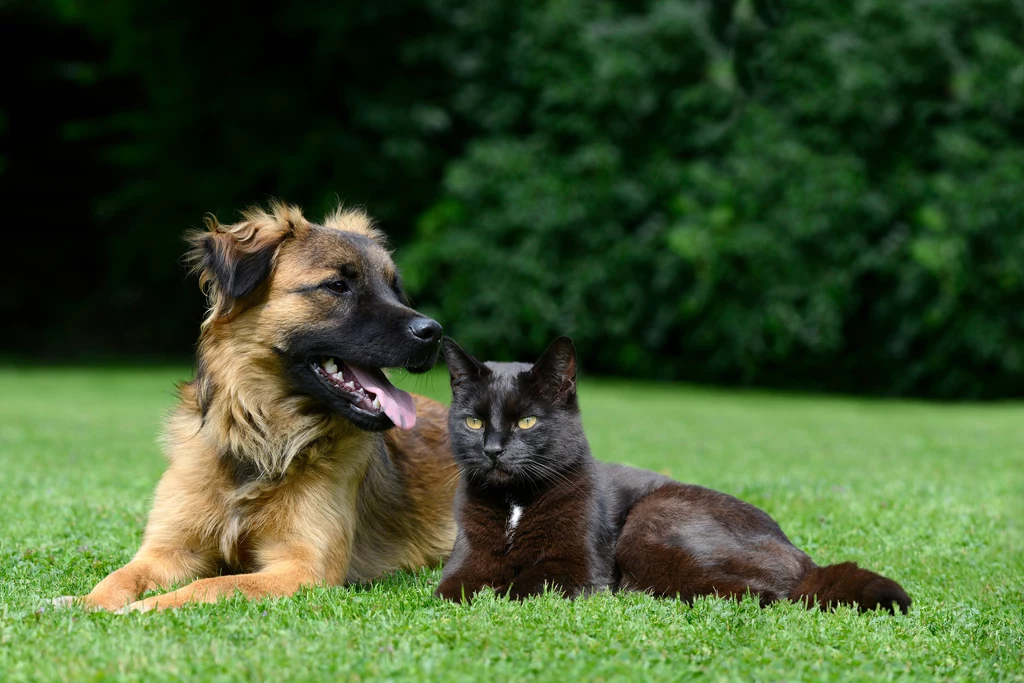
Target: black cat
x: 535, y: 509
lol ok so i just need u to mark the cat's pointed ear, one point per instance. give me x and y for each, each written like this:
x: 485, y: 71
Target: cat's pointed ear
x: 461, y: 365
x: 555, y: 371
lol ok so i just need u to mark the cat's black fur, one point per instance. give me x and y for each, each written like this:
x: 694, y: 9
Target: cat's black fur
x: 561, y: 536
x: 535, y: 510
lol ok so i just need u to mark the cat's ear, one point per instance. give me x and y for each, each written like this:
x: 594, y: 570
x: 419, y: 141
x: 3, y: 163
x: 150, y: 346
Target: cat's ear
x: 555, y: 372
x: 461, y: 365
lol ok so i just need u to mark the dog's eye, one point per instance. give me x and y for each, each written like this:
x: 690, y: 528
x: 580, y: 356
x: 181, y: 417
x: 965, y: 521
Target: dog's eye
x: 338, y: 286
x: 527, y: 422
x: 474, y: 423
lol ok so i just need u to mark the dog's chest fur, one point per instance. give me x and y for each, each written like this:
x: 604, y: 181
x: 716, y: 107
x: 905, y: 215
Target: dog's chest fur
x: 357, y: 479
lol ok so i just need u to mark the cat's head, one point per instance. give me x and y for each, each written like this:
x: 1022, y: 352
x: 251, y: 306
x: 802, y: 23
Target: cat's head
x: 515, y: 424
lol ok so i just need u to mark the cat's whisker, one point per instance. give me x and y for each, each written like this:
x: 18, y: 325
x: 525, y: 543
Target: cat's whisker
x: 570, y: 482
x: 546, y: 469
x: 452, y: 478
x: 540, y: 479
x: 531, y: 479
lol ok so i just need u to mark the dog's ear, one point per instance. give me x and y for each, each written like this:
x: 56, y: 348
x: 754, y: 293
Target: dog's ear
x: 234, y: 260
x: 461, y: 365
x: 554, y: 373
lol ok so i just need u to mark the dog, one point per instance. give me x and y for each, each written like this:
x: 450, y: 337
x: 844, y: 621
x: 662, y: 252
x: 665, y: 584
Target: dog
x: 284, y: 466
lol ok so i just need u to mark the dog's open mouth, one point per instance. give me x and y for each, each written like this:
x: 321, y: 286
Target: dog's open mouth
x: 368, y: 390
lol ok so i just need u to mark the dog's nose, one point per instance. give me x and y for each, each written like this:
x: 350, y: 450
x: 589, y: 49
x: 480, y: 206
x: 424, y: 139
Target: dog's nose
x: 426, y: 329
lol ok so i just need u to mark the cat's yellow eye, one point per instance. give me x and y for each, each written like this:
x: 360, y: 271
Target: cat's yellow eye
x: 474, y: 423
x: 527, y: 422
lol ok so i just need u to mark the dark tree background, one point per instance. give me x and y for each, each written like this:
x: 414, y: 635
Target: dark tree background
x: 797, y: 194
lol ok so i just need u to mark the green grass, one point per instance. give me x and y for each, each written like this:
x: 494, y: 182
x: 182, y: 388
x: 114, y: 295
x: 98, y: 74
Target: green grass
x: 928, y: 494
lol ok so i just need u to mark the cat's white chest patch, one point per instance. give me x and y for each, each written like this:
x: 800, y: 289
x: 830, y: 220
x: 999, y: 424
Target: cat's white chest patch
x: 513, y: 517
x: 515, y: 513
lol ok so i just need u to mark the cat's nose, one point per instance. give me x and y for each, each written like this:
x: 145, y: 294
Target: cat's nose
x: 494, y: 452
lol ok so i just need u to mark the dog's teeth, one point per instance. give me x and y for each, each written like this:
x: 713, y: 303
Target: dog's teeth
x: 330, y: 366
x: 351, y: 386
x: 376, y: 403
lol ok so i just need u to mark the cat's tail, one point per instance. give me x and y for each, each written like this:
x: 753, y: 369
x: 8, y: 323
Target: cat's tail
x: 848, y: 584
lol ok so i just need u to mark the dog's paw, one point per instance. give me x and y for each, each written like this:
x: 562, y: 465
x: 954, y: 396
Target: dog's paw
x: 88, y: 602
x: 147, y: 605
x: 65, y: 601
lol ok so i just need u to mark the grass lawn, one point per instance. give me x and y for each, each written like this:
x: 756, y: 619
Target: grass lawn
x: 930, y: 495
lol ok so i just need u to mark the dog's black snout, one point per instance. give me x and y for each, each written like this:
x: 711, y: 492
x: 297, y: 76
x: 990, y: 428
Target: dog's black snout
x: 426, y: 329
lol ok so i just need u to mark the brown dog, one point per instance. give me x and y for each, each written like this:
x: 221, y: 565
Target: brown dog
x: 282, y: 473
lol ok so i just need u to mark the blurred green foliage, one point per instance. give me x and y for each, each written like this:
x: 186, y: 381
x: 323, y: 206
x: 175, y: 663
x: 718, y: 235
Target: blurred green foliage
x: 826, y: 197
x: 788, y: 193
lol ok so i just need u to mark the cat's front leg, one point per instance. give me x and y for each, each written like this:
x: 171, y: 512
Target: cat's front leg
x: 459, y: 589
x: 567, y: 579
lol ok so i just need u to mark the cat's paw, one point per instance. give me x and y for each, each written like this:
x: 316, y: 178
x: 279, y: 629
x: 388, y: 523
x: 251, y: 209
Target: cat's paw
x: 524, y: 589
x: 519, y: 595
x: 454, y: 592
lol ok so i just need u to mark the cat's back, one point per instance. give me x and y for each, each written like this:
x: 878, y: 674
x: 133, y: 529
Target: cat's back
x: 623, y: 486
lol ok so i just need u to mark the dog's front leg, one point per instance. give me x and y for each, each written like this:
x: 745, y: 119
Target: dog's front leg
x: 276, y: 581
x: 298, y: 564
x: 308, y: 543
x: 151, y: 568
x: 171, y: 550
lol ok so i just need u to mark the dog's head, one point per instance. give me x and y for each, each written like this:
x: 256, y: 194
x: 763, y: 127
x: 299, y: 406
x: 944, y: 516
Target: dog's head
x: 324, y: 300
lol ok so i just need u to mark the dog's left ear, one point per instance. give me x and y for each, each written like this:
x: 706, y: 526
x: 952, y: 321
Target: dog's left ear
x: 234, y: 260
x: 555, y: 372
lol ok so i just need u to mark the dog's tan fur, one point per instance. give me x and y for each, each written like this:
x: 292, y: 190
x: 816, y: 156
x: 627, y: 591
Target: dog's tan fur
x: 265, y: 483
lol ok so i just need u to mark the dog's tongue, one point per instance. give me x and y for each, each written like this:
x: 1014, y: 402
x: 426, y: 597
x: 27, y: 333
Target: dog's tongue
x: 395, y: 403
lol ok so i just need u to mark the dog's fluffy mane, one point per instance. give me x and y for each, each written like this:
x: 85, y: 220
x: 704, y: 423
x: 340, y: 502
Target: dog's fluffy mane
x: 242, y: 405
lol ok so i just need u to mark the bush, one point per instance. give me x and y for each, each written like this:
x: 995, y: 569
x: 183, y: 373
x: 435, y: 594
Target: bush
x: 826, y: 198
x: 183, y: 108
x: 824, y: 195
